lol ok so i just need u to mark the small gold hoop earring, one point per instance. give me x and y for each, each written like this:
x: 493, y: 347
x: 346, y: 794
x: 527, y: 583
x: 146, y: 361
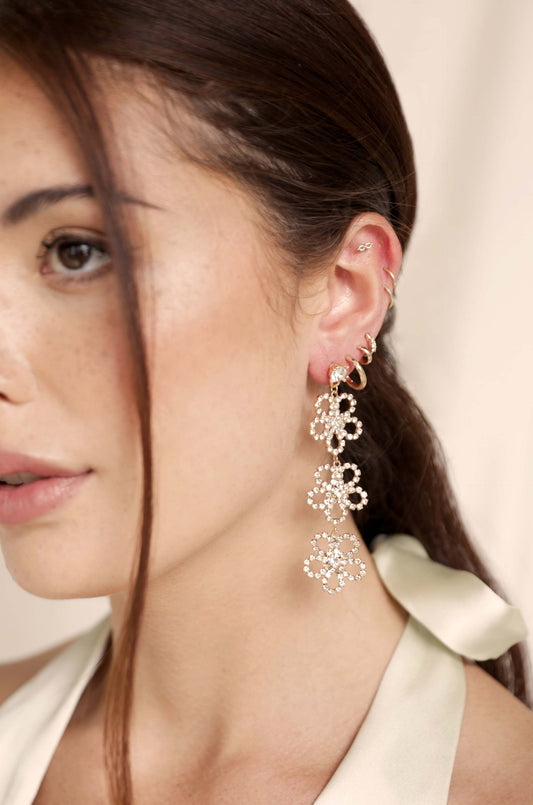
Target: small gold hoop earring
x: 361, y: 372
x: 368, y: 353
x: 390, y: 293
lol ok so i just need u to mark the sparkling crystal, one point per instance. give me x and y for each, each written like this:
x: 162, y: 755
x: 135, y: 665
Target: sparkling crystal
x: 334, y: 560
x: 332, y: 422
x: 338, y: 374
x: 331, y: 425
x: 336, y: 492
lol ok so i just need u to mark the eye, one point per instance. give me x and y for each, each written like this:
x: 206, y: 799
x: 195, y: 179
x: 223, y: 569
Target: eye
x: 74, y: 258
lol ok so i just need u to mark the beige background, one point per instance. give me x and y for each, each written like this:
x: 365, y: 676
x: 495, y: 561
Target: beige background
x: 464, y: 72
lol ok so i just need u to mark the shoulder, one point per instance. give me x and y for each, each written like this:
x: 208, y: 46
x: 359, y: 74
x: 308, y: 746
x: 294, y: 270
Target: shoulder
x: 14, y: 674
x: 495, y: 749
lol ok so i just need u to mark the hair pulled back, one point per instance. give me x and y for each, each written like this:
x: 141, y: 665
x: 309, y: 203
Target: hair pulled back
x: 293, y: 100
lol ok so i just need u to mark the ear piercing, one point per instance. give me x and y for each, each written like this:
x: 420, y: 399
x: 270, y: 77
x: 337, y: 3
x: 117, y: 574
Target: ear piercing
x: 390, y: 293
x: 333, y: 560
x: 368, y: 245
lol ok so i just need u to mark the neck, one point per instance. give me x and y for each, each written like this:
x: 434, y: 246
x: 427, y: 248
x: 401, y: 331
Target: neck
x: 241, y: 653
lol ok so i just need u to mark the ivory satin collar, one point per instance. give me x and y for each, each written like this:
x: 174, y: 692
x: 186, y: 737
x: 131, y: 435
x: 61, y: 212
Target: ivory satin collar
x: 456, y: 605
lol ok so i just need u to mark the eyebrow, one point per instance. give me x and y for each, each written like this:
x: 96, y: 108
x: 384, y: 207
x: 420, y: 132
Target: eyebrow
x: 38, y: 200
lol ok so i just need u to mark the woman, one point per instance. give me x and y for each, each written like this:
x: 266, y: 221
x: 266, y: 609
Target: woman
x: 205, y: 210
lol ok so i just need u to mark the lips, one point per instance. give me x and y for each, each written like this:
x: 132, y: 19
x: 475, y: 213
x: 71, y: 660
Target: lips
x: 11, y: 462
x: 22, y: 504
x: 58, y: 483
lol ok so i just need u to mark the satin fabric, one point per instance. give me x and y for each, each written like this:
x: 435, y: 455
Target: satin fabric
x: 35, y: 717
x: 455, y: 605
x: 403, y: 753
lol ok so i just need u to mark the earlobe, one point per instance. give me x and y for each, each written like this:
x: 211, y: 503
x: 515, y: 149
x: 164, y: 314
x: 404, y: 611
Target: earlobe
x: 362, y: 289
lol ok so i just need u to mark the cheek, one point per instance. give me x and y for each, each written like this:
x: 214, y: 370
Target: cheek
x: 225, y: 408
x: 83, y: 416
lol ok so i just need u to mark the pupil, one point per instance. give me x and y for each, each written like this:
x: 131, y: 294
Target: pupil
x: 74, y: 255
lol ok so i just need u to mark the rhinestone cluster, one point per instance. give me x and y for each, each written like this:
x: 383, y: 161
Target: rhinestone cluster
x: 335, y: 561
x: 334, y: 421
x: 336, y: 490
x: 330, y: 422
x: 338, y: 374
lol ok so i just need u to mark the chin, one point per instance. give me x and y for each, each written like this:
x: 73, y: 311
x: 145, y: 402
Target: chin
x: 46, y: 581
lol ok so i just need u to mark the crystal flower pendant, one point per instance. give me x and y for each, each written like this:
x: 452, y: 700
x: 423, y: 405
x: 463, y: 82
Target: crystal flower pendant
x: 333, y: 559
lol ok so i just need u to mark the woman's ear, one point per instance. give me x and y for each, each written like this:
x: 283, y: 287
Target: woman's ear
x: 357, y: 301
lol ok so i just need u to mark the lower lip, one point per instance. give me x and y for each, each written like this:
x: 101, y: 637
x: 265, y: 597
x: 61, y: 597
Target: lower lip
x: 20, y: 504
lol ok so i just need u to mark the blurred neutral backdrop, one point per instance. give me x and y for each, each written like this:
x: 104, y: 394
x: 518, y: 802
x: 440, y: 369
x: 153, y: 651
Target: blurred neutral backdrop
x: 464, y: 72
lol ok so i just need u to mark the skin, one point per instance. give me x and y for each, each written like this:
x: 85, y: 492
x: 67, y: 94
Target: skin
x: 236, y: 641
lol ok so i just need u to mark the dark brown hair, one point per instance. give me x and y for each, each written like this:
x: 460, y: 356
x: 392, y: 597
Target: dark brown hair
x: 294, y: 101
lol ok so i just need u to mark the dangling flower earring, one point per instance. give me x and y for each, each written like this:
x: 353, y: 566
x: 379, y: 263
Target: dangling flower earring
x: 335, y: 491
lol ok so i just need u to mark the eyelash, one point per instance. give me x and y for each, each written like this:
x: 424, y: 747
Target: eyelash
x: 75, y: 240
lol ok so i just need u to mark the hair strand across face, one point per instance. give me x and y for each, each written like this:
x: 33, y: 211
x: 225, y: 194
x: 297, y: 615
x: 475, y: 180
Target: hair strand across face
x: 295, y: 102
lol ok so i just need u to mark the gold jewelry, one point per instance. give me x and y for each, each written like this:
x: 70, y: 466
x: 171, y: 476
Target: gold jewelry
x: 369, y: 245
x: 393, y: 287
x: 327, y: 549
x: 367, y: 356
x: 366, y: 359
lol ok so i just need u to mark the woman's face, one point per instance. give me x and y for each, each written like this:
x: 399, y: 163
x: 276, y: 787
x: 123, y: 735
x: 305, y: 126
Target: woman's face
x: 228, y: 374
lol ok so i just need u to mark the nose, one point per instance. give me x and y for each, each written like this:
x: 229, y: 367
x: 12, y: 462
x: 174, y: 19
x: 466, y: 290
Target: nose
x: 17, y: 380
x: 19, y: 327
